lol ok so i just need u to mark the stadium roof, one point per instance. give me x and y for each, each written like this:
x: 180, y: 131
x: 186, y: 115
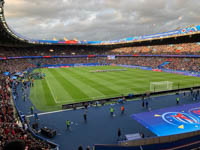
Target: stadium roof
x: 9, y: 37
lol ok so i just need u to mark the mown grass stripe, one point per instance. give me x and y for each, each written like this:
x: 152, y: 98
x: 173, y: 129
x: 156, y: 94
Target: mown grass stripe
x: 95, y: 84
x: 103, y: 81
x: 106, y: 84
x: 122, y: 83
x: 90, y: 91
x: 60, y: 94
x: 37, y: 94
x: 50, y: 101
x: 69, y: 87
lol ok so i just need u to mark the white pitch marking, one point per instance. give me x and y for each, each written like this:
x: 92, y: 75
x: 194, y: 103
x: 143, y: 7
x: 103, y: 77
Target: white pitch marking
x: 46, y: 113
x: 52, y: 112
x: 51, y: 91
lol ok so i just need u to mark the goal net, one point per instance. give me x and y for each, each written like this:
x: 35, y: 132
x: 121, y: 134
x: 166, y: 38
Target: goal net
x: 161, y: 86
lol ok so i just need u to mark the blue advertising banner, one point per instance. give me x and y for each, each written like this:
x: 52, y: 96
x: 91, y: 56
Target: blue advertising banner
x: 79, y: 56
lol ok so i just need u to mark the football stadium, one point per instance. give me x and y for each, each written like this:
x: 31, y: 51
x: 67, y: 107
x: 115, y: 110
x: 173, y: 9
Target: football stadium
x: 135, y: 93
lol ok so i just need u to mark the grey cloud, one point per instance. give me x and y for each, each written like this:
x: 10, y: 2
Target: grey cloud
x: 98, y: 19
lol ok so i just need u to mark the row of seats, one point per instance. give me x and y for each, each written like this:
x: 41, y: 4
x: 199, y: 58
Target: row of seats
x: 170, y: 49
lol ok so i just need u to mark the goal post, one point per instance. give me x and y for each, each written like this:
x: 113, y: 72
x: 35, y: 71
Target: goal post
x: 161, y: 86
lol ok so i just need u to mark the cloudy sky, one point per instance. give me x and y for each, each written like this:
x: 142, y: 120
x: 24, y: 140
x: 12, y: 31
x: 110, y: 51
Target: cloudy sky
x: 98, y: 19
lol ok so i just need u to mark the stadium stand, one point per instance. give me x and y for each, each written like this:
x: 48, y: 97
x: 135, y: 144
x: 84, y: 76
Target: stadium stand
x: 17, y: 55
x: 11, y: 130
x: 9, y: 125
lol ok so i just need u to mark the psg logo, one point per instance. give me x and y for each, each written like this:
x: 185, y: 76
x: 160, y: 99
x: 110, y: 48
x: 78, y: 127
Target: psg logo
x: 179, y: 118
x: 195, y: 112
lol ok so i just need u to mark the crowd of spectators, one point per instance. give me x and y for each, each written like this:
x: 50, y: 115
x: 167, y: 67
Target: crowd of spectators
x: 175, y: 63
x: 12, y: 132
x: 10, y: 129
x: 15, y: 65
x: 170, y: 49
x: 186, y: 64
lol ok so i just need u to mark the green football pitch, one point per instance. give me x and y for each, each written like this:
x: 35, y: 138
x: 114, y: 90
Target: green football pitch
x: 79, y: 84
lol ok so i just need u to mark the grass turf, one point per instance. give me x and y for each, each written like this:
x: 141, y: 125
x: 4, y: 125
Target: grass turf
x: 70, y: 85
